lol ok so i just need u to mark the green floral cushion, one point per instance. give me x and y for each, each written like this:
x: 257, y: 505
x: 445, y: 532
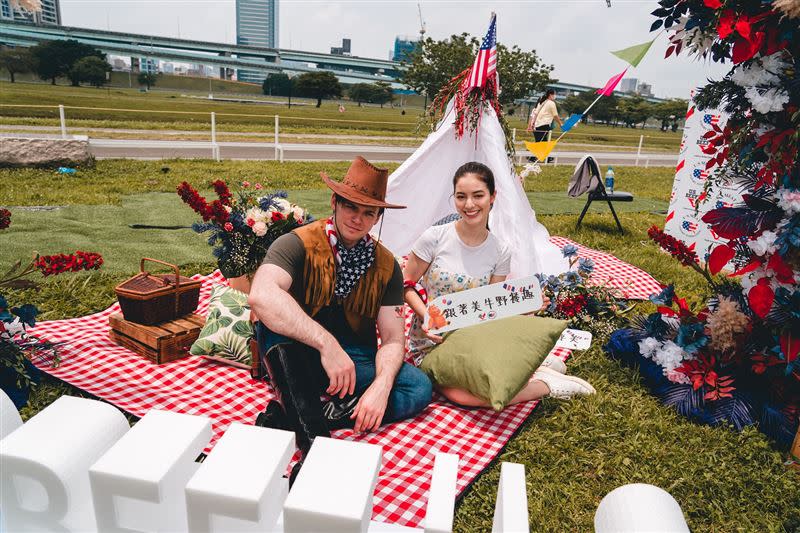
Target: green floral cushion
x: 228, y: 329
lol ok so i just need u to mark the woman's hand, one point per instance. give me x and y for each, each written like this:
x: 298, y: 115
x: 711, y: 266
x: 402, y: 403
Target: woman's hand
x: 436, y: 339
x: 545, y: 302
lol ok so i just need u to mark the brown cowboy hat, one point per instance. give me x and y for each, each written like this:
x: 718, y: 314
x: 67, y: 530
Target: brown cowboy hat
x: 363, y: 184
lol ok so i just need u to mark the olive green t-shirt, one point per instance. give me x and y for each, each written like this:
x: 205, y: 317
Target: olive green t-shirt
x: 288, y: 253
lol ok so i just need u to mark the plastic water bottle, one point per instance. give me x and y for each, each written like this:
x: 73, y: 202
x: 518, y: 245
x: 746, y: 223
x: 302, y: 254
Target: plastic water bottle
x: 610, y: 180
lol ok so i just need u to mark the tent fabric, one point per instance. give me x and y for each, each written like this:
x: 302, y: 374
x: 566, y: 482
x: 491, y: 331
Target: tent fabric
x: 586, y: 177
x: 424, y: 183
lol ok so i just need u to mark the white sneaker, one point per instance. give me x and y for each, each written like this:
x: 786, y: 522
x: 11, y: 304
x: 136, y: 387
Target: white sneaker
x: 554, y: 363
x: 561, y: 386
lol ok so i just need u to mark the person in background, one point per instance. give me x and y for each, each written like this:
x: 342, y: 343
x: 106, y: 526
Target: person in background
x: 543, y: 115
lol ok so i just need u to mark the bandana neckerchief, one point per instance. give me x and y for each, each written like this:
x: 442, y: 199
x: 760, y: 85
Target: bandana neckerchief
x: 350, y: 264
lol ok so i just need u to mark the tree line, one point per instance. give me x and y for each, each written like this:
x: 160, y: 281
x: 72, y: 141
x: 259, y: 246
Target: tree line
x: 76, y: 61
x: 628, y: 112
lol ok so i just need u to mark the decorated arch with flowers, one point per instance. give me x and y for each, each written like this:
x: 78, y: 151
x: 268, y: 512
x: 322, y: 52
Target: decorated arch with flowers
x: 737, y: 358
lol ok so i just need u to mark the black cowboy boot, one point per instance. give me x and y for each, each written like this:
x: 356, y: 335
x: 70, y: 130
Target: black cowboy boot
x: 293, y: 374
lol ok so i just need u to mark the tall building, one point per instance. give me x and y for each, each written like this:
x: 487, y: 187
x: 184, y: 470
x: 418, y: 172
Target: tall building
x: 628, y: 85
x: 343, y: 50
x: 645, y: 89
x: 256, y: 25
x: 49, y: 15
x: 403, y: 47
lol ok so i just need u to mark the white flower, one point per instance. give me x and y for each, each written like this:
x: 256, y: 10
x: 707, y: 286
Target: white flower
x: 771, y: 100
x: 761, y: 72
x: 670, y: 356
x: 298, y: 212
x: 283, y: 205
x: 227, y: 208
x: 789, y: 200
x: 257, y: 214
x: 260, y: 228
x: 764, y: 244
x: 530, y: 168
x: 648, y: 347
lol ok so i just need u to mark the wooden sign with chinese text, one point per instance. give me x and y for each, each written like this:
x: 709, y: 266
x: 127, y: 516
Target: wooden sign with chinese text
x: 490, y: 302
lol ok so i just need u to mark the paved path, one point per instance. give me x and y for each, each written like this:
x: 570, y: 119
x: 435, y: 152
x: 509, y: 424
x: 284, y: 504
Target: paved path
x: 119, y: 148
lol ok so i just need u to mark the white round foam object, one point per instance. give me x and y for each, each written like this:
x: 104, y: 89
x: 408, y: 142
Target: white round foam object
x: 639, y: 507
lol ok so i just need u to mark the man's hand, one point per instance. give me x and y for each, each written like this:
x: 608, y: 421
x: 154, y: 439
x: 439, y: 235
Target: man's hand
x: 339, y: 368
x: 371, y: 407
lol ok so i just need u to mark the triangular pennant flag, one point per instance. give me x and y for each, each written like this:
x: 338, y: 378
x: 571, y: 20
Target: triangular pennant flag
x: 608, y: 89
x: 570, y: 122
x: 634, y: 54
x: 541, y: 149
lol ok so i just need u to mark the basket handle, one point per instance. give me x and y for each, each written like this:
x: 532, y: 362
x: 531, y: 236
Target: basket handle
x: 177, y: 277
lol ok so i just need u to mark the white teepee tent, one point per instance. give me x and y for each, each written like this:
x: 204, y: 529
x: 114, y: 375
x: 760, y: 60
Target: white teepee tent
x: 424, y: 183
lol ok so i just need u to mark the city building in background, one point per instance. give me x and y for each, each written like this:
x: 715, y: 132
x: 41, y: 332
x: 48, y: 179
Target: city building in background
x: 49, y: 15
x: 628, y: 85
x: 149, y: 65
x: 343, y: 50
x: 403, y: 47
x: 256, y: 25
x: 644, y: 89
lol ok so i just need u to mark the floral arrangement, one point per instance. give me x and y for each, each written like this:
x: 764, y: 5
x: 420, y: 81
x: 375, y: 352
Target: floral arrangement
x: 736, y: 359
x: 17, y: 347
x: 586, y: 306
x: 242, y: 228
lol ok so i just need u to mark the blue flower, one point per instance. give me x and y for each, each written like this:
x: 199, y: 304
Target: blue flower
x: 585, y: 265
x: 572, y: 278
x: 569, y: 250
x: 26, y: 313
x: 542, y: 279
x: 553, y: 282
x: 664, y: 297
x: 691, y: 337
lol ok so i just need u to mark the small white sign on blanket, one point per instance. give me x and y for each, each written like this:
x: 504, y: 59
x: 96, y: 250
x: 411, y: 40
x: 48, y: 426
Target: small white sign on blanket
x: 483, y: 304
x: 575, y: 339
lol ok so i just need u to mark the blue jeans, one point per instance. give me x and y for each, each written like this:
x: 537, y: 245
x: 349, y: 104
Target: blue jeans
x: 411, y: 392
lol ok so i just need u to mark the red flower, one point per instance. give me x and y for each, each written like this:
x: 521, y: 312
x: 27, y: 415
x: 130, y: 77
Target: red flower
x: 221, y: 188
x: 250, y: 222
x: 245, y: 184
x: 713, y: 4
x: 191, y: 197
x: 676, y: 247
x: 228, y: 226
x: 58, y: 264
x: 5, y: 218
x: 571, y: 306
x: 276, y: 216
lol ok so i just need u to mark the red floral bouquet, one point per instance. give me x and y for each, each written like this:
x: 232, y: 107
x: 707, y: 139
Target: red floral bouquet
x: 242, y: 228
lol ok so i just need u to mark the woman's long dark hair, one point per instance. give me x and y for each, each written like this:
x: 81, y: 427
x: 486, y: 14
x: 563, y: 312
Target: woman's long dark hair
x: 483, y: 172
x: 546, y: 95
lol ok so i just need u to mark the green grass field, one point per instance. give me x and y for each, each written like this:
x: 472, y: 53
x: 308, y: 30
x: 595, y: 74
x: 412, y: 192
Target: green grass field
x: 574, y: 452
x: 167, y: 110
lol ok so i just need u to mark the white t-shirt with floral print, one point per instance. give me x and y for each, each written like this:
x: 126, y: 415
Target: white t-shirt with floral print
x: 454, y: 267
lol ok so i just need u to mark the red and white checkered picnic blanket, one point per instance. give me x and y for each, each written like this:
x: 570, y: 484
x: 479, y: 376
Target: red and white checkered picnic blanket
x: 92, y: 362
x: 634, y: 283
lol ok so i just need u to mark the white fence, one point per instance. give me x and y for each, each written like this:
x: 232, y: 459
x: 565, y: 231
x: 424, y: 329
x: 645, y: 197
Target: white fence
x: 78, y: 466
x: 280, y: 150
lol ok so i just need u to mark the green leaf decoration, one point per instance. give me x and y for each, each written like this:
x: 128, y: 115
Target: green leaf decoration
x: 235, y: 301
x: 244, y: 328
x: 233, y: 347
x: 202, y: 347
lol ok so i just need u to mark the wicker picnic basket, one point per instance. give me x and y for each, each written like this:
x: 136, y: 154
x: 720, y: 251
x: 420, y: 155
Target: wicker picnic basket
x: 154, y: 298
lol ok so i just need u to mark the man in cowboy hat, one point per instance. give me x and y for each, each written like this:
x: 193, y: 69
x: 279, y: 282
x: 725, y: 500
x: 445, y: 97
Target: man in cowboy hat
x: 319, y: 295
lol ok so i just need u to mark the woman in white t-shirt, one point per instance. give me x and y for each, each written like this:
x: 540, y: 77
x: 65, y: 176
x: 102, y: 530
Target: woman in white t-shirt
x: 543, y: 115
x: 464, y: 255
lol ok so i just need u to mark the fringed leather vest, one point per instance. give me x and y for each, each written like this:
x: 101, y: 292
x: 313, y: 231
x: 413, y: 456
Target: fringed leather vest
x: 361, y: 306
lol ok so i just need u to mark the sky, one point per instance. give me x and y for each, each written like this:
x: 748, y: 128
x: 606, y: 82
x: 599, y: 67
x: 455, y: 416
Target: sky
x: 575, y: 36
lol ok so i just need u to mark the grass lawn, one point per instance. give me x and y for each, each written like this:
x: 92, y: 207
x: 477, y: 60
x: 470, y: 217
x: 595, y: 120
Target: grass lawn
x: 574, y: 452
x: 174, y: 110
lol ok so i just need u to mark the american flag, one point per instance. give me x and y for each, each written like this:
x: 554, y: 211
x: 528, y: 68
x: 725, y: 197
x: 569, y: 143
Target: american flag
x: 689, y: 226
x: 710, y: 119
x: 700, y: 174
x: 486, y: 60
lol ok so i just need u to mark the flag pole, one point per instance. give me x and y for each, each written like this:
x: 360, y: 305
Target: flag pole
x: 582, y: 114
